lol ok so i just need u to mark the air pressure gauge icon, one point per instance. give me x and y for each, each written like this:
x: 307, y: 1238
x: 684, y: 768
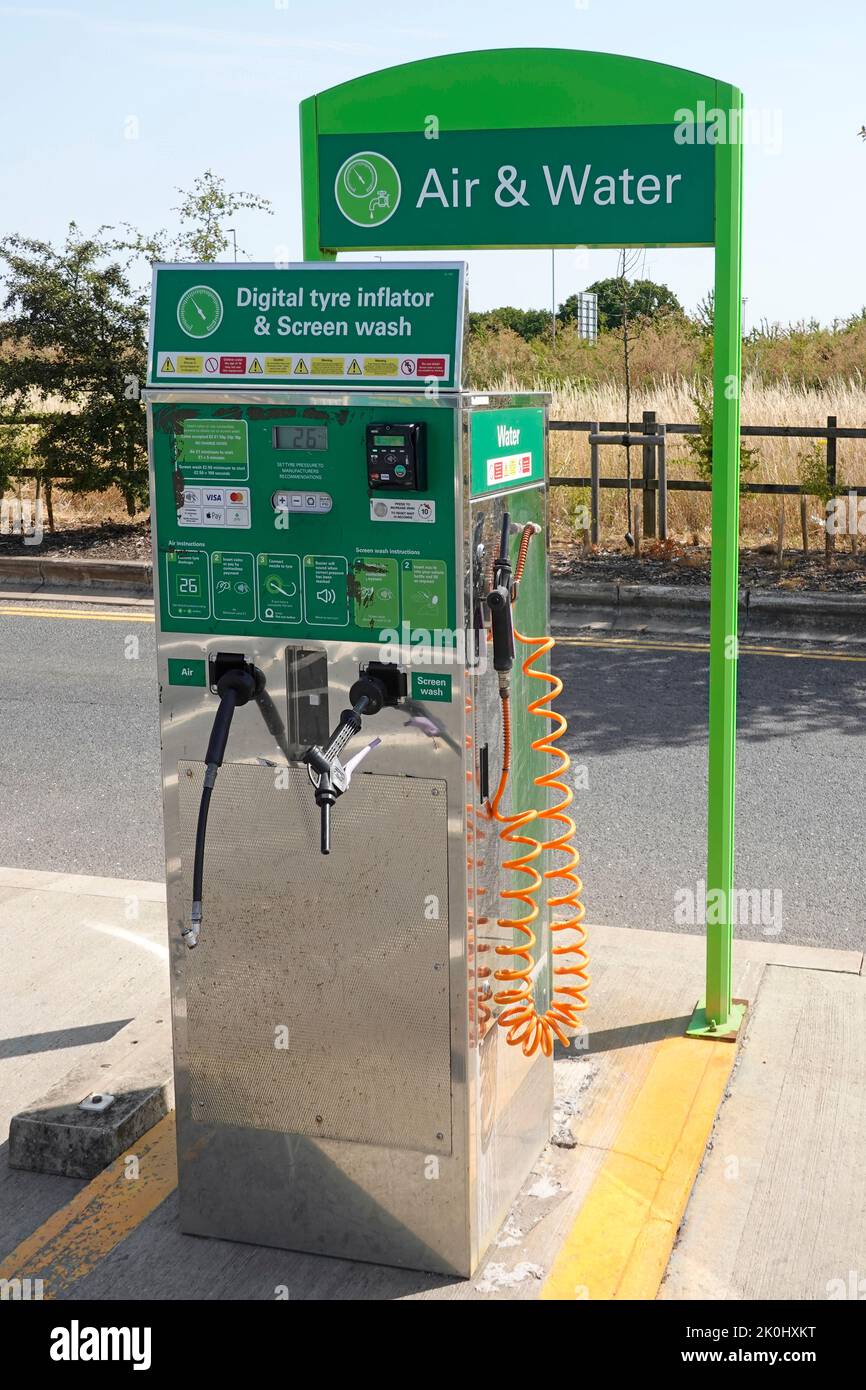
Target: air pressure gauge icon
x: 200, y: 311
x: 367, y: 189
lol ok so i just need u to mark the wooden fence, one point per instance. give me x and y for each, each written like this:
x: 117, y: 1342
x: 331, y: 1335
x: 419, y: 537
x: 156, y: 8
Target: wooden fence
x: 653, y: 483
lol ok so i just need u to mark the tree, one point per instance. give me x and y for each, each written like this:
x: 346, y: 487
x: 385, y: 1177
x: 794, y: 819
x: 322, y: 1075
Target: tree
x: 16, y: 453
x: 705, y: 314
x: 204, y: 212
x: 645, y: 299
x: 75, y: 331
x: 528, y: 323
x: 700, y: 445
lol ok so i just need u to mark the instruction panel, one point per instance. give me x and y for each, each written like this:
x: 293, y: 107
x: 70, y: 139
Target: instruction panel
x: 266, y: 524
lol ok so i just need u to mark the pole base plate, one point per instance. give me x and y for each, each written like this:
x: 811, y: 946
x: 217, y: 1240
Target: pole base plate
x: 717, y: 1030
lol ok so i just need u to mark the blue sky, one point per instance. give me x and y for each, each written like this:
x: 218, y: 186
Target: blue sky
x: 218, y: 85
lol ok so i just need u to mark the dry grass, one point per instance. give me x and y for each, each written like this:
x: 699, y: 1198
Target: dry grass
x: 76, y: 509
x: 90, y: 508
x: 778, y: 460
x: 794, y: 387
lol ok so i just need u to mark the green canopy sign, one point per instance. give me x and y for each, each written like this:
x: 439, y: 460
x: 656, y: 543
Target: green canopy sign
x: 608, y: 185
x: 552, y: 147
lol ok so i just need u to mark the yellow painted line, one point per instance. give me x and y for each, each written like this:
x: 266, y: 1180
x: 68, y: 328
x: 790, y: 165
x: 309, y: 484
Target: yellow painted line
x: 621, y: 1240
x: 635, y: 644
x: 73, y: 1241
x: 78, y: 613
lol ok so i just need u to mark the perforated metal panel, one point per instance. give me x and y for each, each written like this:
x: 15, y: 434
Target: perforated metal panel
x: 310, y: 1011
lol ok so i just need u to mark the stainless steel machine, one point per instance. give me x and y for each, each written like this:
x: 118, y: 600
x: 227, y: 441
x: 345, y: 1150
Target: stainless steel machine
x: 327, y: 563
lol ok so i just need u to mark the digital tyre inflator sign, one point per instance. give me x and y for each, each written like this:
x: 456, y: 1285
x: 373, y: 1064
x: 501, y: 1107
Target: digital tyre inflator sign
x: 357, y: 325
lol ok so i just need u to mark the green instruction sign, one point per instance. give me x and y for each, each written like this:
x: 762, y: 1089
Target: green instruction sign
x: 234, y: 598
x: 213, y: 451
x: 424, y: 585
x: 326, y: 590
x: 506, y: 449
x: 279, y: 584
x: 364, y: 324
x: 430, y: 687
x: 183, y: 671
x: 187, y: 590
x: 376, y: 592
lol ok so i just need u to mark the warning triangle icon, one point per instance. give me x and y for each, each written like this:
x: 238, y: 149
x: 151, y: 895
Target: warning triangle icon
x: 167, y: 366
x: 354, y: 367
x: 255, y: 368
x: 301, y: 369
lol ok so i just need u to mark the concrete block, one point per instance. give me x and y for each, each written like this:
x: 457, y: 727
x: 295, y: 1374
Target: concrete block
x: 79, y: 1143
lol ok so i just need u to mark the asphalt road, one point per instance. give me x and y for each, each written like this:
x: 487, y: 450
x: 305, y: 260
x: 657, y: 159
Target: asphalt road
x: 79, y: 769
x: 638, y: 722
x: 79, y: 781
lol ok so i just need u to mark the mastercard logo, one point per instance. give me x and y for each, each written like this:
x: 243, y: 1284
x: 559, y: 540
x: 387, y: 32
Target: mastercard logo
x: 237, y: 497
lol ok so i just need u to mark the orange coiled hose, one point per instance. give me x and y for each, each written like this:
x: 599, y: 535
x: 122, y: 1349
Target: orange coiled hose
x: 518, y: 1014
x: 524, y: 1026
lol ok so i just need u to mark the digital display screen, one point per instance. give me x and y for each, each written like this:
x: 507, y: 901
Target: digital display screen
x: 301, y: 437
x: 395, y: 440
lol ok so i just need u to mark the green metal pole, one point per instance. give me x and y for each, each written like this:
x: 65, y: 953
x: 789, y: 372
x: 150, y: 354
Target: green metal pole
x: 717, y: 1015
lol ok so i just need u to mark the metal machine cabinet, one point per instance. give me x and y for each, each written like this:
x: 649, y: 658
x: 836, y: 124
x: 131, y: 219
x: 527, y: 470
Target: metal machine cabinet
x: 342, y: 1086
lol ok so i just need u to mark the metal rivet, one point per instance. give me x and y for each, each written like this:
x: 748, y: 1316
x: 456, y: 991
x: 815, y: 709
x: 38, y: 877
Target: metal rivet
x: 318, y: 1119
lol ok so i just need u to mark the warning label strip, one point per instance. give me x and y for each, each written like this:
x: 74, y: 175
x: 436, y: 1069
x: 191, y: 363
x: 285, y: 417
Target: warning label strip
x: 263, y: 367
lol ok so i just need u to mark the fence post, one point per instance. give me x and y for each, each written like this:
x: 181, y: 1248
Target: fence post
x: 649, y: 472
x: 663, y: 482
x: 594, y: 485
x: 829, y: 537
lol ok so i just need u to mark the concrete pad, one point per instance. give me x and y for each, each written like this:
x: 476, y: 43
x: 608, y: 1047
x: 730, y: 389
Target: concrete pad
x: 651, y: 983
x: 84, y: 989
x: 643, y: 990
x: 779, y: 1208
x: 692, y: 946
x: 83, y: 885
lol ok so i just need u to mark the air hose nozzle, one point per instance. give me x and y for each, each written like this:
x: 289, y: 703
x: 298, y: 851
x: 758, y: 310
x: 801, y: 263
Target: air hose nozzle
x: 235, y: 687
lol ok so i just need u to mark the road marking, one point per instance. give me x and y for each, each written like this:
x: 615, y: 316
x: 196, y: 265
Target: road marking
x: 638, y: 644
x: 605, y: 643
x: 78, y: 613
x: 622, y: 1237
x: 73, y: 1241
